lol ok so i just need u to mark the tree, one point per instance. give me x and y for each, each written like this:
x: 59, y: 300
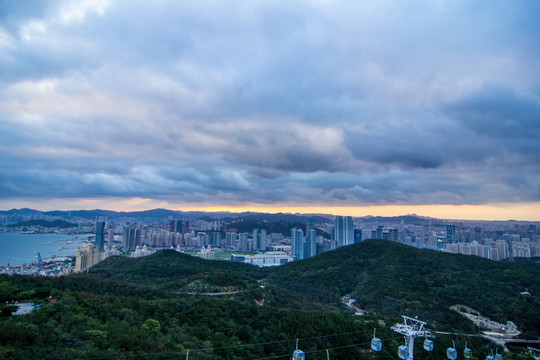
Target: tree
x: 152, y: 326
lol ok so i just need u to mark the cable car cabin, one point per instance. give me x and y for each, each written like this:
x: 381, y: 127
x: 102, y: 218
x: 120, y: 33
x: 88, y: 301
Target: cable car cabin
x: 490, y: 357
x: 403, y: 352
x: 467, y: 353
x: 298, y: 355
x: 498, y: 357
x: 428, y: 345
x: 376, y: 344
x: 451, y: 353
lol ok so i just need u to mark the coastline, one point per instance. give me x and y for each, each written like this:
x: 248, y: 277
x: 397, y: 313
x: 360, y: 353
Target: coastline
x: 22, y: 248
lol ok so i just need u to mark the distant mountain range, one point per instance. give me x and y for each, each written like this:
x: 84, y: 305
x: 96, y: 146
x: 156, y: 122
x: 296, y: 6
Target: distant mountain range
x: 165, y: 214
x: 230, y: 217
x: 227, y: 217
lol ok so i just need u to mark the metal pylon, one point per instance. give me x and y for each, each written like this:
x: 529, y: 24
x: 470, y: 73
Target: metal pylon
x: 535, y: 353
x: 410, y: 329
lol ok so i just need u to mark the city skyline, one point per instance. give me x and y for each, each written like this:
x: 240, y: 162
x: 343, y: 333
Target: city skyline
x: 343, y: 108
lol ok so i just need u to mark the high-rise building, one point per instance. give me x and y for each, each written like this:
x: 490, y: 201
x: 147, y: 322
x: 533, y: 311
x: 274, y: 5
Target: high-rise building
x: 478, y: 234
x: 215, y: 239
x: 185, y: 227
x: 357, y: 235
x: 256, y: 241
x: 310, y: 224
x: 242, y: 242
x: 450, y: 234
x: 132, y: 238
x: 100, y: 236
x: 202, y: 238
x: 297, y: 244
x: 88, y: 256
x: 380, y: 232
x: 343, y: 231
x: 311, y: 242
x: 441, y: 242
x: 175, y: 226
x: 262, y: 240
x: 230, y: 239
x: 110, y: 235
x: 502, y: 247
x: 393, y: 234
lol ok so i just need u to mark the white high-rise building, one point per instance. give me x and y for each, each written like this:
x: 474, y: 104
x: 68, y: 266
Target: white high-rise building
x: 311, y: 243
x: 502, y: 248
x: 343, y: 230
x: 297, y: 244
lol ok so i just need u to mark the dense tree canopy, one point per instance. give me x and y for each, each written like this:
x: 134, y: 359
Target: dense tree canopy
x: 146, y: 308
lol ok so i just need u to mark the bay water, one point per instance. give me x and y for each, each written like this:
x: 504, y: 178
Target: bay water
x: 20, y: 248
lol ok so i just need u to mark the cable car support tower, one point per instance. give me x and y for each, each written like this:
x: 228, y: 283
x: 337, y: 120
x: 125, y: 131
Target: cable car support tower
x: 410, y: 329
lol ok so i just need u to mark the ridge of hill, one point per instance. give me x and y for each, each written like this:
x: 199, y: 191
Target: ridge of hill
x: 44, y: 223
x: 384, y: 277
x: 166, y: 266
x: 391, y: 278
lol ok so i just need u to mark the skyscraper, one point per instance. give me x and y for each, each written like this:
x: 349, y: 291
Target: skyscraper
x: 243, y: 242
x: 297, y: 244
x: 175, y: 226
x: 100, y: 236
x: 310, y: 224
x: 311, y: 243
x: 450, y: 234
x: 343, y: 230
x: 379, y: 232
x: 132, y: 238
x: 110, y: 235
x: 262, y: 240
x: 230, y: 239
x: 357, y: 235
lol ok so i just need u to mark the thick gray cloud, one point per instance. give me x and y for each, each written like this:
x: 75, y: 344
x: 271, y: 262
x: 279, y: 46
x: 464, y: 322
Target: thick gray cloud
x: 272, y: 102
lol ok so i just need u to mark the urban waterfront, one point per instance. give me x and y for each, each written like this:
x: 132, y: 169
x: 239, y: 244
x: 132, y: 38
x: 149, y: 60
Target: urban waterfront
x: 21, y: 248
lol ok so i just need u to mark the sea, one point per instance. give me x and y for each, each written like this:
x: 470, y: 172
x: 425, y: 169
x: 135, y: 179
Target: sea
x: 23, y: 248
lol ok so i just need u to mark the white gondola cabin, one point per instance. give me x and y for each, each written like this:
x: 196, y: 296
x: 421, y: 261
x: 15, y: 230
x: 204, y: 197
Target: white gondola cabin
x: 376, y: 343
x: 298, y: 355
x: 403, y: 352
x: 428, y: 345
x: 451, y: 353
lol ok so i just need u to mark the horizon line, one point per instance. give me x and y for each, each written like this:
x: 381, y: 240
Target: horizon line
x: 353, y: 211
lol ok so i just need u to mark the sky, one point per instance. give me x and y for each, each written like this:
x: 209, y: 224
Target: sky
x: 358, y: 107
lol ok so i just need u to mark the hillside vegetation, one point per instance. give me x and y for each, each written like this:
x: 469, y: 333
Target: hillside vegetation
x: 392, y: 278
x: 161, y: 305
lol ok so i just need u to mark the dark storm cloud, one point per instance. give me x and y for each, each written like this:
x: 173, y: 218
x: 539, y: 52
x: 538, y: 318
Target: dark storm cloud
x: 290, y: 102
x: 498, y: 111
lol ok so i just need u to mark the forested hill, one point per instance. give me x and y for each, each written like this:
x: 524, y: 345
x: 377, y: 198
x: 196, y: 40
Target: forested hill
x: 392, y: 278
x: 384, y: 277
x: 44, y: 223
x: 165, y: 266
x: 161, y: 305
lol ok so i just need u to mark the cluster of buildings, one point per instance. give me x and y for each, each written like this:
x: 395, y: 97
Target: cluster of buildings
x: 136, y: 238
x: 260, y: 248
x: 56, y: 266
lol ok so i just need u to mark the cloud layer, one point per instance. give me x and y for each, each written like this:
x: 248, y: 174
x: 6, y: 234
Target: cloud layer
x: 309, y: 102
